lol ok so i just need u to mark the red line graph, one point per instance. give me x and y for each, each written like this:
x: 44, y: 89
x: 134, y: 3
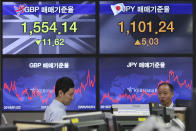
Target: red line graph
x: 89, y: 82
x: 176, y: 78
x: 37, y: 93
x: 132, y: 97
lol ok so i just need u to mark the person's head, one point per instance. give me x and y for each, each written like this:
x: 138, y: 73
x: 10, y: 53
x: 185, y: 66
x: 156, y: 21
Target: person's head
x: 64, y: 90
x: 165, y: 93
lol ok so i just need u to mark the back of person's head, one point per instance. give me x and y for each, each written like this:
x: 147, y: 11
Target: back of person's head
x: 63, y: 84
x: 171, y: 87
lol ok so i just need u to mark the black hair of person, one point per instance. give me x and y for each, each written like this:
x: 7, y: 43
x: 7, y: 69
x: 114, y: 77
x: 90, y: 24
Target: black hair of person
x: 171, y: 87
x: 64, y: 84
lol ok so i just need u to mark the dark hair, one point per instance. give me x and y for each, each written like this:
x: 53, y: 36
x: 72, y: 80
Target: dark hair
x: 64, y: 84
x: 166, y: 83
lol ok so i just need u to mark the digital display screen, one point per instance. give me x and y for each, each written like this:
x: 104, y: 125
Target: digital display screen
x: 49, y: 27
x: 29, y: 83
x: 146, y: 27
x: 134, y: 80
x: 128, y: 42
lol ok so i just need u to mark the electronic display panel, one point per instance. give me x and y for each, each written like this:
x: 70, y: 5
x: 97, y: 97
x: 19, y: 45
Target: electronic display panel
x: 154, y: 27
x: 29, y: 83
x: 134, y: 80
x: 49, y: 27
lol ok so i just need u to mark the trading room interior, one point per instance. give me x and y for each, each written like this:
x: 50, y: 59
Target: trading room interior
x: 98, y: 65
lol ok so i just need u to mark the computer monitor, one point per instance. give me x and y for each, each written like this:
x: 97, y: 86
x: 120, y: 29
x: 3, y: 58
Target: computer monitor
x: 134, y: 80
x: 8, y: 128
x: 29, y: 83
x: 183, y: 103
x: 24, y: 125
x: 42, y: 126
x: 62, y: 127
x: 91, y: 121
x: 192, y: 114
x: 38, y: 129
x: 0, y: 104
x: 150, y: 27
x: 48, y: 27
